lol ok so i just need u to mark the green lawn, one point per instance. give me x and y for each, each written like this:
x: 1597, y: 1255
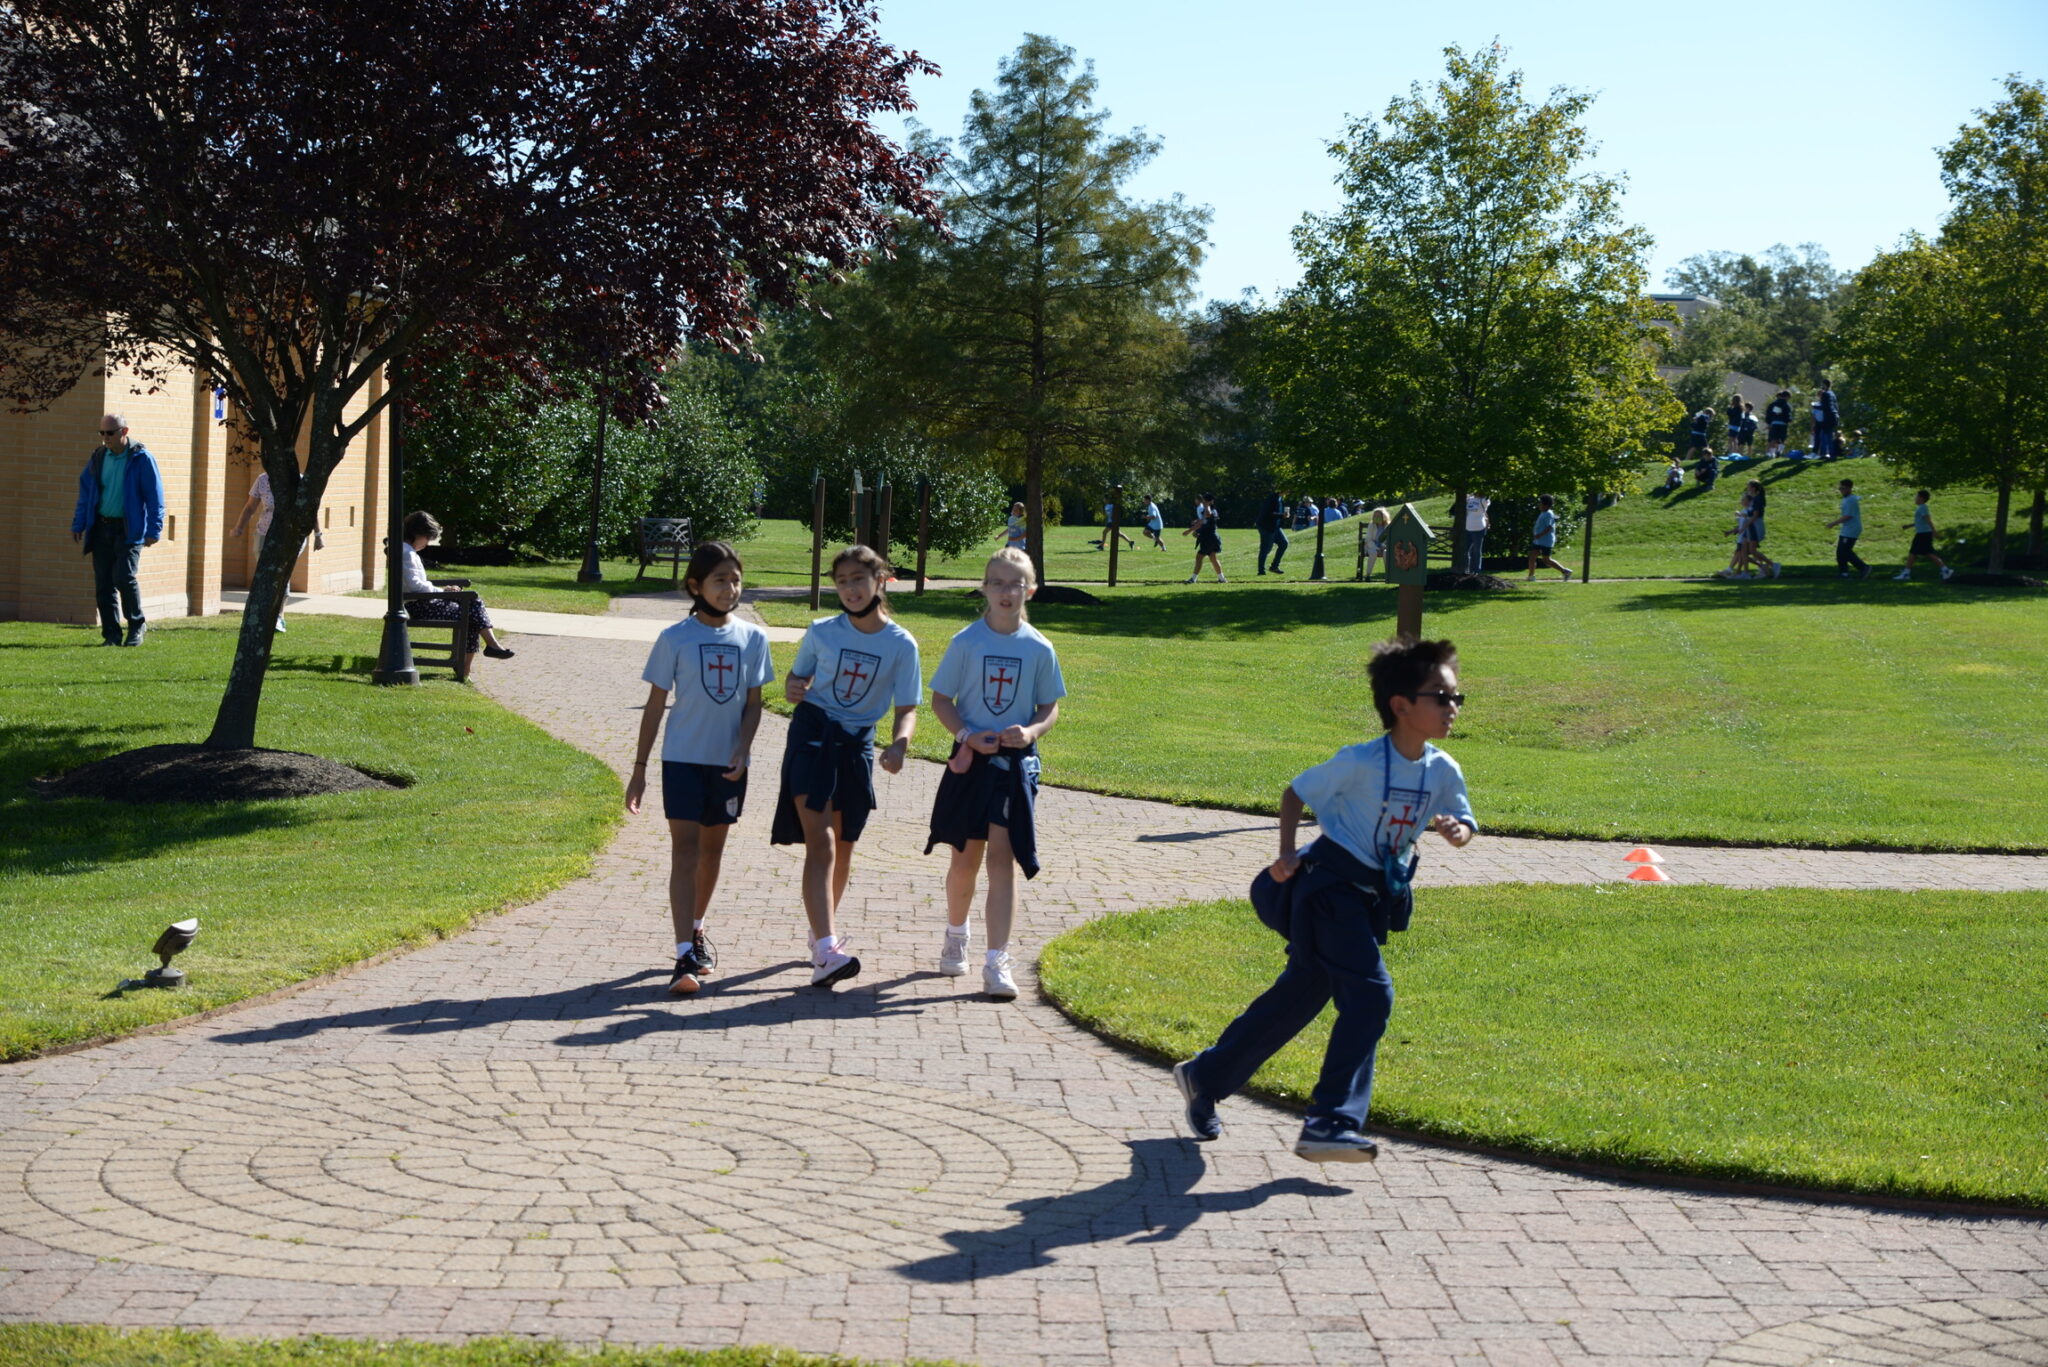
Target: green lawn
x: 39, y: 1345
x: 498, y: 812
x: 1801, y: 711
x: 1849, y: 1041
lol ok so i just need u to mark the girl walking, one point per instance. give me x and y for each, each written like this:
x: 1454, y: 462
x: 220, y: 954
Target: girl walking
x: 997, y: 690
x: 1207, y: 543
x: 848, y: 673
x: 715, y: 665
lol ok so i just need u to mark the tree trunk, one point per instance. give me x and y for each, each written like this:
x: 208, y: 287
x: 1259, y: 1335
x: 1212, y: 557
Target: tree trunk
x: 1458, y: 527
x: 234, y: 725
x: 1034, y: 505
x: 2034, y: 519
x: 1998, y: 523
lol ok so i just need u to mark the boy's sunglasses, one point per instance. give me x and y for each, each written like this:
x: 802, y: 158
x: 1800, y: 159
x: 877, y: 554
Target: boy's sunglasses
x: 1444, y: 699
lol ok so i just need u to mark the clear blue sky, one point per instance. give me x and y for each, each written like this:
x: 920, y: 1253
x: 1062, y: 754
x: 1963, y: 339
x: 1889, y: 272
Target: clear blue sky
x: 1815, y: 124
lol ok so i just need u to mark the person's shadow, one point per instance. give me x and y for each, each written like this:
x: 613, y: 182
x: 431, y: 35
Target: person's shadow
x: 618, y: 1010
x: 1154, y: 1201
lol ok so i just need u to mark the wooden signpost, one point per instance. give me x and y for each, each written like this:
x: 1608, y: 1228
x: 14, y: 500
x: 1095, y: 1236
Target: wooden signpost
x: 924, y: 525
x: 1407, y: 547
x: 1112, y: 535
x: 817, y: 535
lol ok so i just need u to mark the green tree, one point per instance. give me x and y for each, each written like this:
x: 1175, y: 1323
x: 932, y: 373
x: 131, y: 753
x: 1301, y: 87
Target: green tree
x: 1945, y: 338
x: 1774, y: 311
x: 1040, y: 331
x: 1474, y: 315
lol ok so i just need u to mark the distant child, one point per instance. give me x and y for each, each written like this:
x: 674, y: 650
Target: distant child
x: 1544, y: 540
x: 1851, y: 523
x: 998, y: 690
x: 848, y: 673
x: 1749, y: 561
x: 1208, y: 543
x: 715, y: 665
x: 1375, y: 540
x: 1702, y: 425
x: 1777, y: 422
x: 1015, y: 537
x: 1109, y: 525
x: 1734, y: 412
x: 1922, y: 527
x: 1674, y: 476
x: 1748, y: 427
x: 1155, y: 525
x: 1337, y: 901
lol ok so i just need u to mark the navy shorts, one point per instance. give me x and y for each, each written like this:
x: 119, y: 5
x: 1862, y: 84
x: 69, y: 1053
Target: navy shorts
x: 701, y: 793
x: 1777, y: 431
x: 1923, y: 544
x: 1541, y: 551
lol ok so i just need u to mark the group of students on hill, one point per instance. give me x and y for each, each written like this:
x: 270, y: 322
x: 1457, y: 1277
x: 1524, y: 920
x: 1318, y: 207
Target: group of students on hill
x: 1742, y: 424
x: 998, y: 690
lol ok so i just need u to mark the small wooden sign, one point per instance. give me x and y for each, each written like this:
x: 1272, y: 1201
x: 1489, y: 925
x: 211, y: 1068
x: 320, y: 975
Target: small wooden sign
x: 1408, y: 547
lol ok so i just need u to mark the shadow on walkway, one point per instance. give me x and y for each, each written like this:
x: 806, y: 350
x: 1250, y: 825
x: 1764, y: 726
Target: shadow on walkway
x: 617, y: 1011
x: 1154, y: 1201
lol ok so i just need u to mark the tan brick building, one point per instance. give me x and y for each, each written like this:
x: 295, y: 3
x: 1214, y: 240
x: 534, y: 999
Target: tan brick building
x: 208, y: 466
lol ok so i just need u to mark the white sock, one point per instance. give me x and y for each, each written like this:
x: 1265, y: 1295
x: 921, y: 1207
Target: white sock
x: 684, y: 948
x: 960, y: 931
x: 697, y: 926
x: 995, y: 953
x: 823, y: 945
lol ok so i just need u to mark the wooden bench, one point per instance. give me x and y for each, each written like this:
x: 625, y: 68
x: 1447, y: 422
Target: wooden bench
x: 461, y: 643
x: 665, y: 538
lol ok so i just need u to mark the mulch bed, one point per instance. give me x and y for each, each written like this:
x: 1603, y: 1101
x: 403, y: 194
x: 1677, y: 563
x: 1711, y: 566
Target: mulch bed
x: 192, y: 773
x: 1459, y: 579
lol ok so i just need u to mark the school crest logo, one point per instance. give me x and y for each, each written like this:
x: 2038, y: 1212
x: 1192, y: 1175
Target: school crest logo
x: 1401, y: 820
x: 719, y: 667
x: 857, y: 670
x: 1000, y: 677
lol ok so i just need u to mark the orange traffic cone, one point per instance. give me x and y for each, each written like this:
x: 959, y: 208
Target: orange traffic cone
x: 1648, y: 873
x: 1642, y: 854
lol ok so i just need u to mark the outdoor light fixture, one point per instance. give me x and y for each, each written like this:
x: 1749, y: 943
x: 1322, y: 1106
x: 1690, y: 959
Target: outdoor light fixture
x: 173, y: 942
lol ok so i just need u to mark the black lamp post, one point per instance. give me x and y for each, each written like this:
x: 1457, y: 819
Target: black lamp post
x: 394, y: 656
x: 591, y: 571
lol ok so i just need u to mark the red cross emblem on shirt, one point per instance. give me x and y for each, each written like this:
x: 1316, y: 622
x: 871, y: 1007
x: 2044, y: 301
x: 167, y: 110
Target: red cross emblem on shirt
x: 857, y: 670
x: 999, y: 676
x: 718, y: 667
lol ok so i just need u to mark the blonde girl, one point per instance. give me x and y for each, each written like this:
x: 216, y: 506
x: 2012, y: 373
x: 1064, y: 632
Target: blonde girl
x: 715, y: 664
x: 1375, y: 540
x: 997, y: 690
x: 851, y: 669
x: 1014, y: 535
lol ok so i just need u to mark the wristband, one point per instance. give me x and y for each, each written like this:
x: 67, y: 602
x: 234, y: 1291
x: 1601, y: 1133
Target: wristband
x: 963, y: 734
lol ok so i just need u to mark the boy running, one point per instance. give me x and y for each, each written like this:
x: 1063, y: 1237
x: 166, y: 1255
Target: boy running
x: 1922, y: 527
x: 1337, y: 901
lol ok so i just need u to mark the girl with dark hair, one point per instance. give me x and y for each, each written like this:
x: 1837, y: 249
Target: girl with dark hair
x: 848, y: 673
x: 715, y: 664
x: 1207, y: 543
x: 422, y: 531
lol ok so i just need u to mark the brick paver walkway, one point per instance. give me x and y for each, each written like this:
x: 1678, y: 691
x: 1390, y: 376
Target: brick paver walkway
x: 516, y: 1131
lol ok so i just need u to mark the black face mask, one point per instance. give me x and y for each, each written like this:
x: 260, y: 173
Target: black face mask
x: 870, y: 606
x: 709, y: 616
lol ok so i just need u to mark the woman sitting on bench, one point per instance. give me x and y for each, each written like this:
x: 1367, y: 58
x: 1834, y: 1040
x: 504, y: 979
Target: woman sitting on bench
x: 421, y: 531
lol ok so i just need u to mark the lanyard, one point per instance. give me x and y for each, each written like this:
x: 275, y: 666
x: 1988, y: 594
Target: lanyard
x: 1391, y: 855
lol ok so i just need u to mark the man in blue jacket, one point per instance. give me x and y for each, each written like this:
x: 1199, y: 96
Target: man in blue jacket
x: 120, y: 510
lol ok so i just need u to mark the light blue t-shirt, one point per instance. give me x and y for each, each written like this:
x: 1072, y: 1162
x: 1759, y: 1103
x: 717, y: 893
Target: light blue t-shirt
x: 1546, y: 528
x: 1852, y: 514
x: 707, y: 670
x: 857, y: 676
x: 1376, y: 804
x: 1923, y: 519
x: 996, y: 681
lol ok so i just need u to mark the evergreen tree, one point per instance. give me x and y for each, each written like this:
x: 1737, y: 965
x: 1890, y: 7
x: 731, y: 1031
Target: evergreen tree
x: 1040, y: 330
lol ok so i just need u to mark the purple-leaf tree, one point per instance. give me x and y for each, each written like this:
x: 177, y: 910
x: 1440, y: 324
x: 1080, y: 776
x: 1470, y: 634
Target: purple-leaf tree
x: 295, y: 197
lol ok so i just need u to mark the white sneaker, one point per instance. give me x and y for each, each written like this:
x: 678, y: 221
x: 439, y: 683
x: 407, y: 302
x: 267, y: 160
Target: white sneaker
x: 1567, y: 576
x: 1189, y: 580
x: 1947, y: 573
x: 1221, y: 580
x: 836, y: 965
x: 953, y: 956
x: 1903, y: 574
x: 280, y: 624
x: 996, y: 980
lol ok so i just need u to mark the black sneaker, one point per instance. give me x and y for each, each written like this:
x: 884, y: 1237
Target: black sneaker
x: 1333, y: 1141
x: 683, y: 983
x: 701, y: 957
x: 1201, y: 1111
x: 136, y: 631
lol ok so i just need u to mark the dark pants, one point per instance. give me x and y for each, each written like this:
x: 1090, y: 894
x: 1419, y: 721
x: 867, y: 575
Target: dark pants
x: 114, y: 563
x: 1824, y: 439
x: 1475, y: 551
x: 1330, y: 955
x: 1846, y: 558
x: 1271, y: 539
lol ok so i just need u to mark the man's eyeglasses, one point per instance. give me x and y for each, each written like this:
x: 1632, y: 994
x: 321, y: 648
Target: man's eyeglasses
x: 110, y: 431
x: 1443, y: 698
